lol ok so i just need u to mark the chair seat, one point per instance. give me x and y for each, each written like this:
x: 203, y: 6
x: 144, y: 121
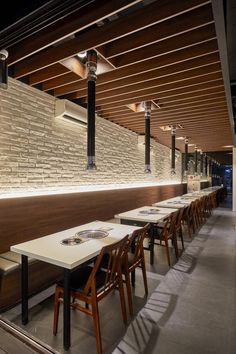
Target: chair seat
x: 79, y: 278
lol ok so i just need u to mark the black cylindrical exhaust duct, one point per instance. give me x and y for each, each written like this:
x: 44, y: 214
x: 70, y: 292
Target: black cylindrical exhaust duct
x: 195, y: 159
x: 206, y: 165
x: 186, y: 156
x: 173, y: 134
x: 91, y: 78
x: 147, y: 107
x: 3, y: 69
x: 201, y: 163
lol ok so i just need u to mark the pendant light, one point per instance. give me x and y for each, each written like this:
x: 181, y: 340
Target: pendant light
x: 147, y: 109
x: 91, y: 64
x: 3, y: 69
x: 173, y: 135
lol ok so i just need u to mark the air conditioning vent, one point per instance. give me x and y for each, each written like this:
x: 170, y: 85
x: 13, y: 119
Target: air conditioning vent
x: 71, y: 112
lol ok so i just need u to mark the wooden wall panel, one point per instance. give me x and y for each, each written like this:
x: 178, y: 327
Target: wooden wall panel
x: 22, y: 219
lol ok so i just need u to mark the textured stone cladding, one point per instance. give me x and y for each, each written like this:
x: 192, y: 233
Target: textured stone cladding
x: 38, y: 150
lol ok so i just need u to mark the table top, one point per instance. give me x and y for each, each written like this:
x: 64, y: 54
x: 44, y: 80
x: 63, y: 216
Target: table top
x: 146, y: 214
x: 49, y: 248
x: 177, y: 202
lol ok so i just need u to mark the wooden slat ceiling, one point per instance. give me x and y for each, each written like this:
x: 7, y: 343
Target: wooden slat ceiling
x: 164, y: 51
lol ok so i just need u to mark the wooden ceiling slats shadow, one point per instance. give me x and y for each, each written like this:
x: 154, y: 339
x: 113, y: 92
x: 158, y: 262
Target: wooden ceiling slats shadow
x: 164, y: 51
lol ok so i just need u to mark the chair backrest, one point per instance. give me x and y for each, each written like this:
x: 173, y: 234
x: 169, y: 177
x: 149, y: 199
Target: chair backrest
x: 136, y: 242
x: 114, y: 254
x: 180, y: 217
x: 170, y: 224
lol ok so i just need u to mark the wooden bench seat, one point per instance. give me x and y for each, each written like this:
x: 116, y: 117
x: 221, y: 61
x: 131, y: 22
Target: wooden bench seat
x: 41, y: 275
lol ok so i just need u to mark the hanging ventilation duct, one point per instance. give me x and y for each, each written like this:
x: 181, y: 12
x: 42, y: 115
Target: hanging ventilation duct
x: 71, y: 112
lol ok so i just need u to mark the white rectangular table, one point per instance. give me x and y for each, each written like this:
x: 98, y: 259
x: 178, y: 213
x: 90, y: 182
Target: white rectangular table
x: 146, y: 214
x: 177, y: 202
x: 49, y: 249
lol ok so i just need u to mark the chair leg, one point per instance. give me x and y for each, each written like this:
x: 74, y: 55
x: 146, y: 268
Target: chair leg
x: 176, y: 246
x: 122, y: 299
x: 144, y: 276
x: 129, y: 292
x: 181, y: 237
x: 167, y: 251
x: 96, y: 322
x: 56, y: 310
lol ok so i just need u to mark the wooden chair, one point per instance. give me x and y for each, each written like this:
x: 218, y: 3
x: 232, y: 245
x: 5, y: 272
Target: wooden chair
x: 178, y: 225
x: 189, y: 219
x: 167, y: 232
x: 135, y: 258
x: 91, y: 284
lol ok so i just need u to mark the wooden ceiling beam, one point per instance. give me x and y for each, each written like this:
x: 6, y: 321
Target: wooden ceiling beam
x: 144, y: 77
x: 187, y: 110
x: 166, y: 29
x: 183, y: 92
x: 135, y: 97
x: 141, y: 18
x: 183, y: 119
x: 161, y: 81
x: 169, y: 45
x: 53, y: 71
x: 83, y: 18
x: 145, y: 66
x: 211, y: 96
x: 171, y: 108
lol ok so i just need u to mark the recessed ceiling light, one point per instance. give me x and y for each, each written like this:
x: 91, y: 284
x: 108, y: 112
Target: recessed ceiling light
x: 180, y: 138
x: 191, y: 144
x: 227, y: 146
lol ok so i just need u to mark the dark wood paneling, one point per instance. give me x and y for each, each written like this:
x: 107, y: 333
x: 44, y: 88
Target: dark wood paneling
x: 22, y: 219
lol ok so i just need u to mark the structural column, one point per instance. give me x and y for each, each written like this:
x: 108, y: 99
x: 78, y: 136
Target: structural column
x: 91, y: 78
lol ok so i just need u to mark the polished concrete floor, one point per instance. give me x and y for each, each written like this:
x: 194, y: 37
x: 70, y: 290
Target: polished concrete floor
x: 191, y: 307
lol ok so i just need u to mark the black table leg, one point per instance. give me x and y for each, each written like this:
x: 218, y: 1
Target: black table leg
x: 24, y: 289
x: 66, y: 309
x: 151, y: 244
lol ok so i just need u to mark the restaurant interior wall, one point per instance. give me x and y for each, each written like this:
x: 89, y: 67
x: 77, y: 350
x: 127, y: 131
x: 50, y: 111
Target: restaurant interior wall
x: 38, y: 151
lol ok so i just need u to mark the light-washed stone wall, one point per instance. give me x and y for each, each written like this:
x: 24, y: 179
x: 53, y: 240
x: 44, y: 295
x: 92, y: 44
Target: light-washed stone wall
x: 40, y: 151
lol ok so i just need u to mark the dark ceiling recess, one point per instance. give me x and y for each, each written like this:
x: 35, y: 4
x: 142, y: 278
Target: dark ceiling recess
x: 15, y: 10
